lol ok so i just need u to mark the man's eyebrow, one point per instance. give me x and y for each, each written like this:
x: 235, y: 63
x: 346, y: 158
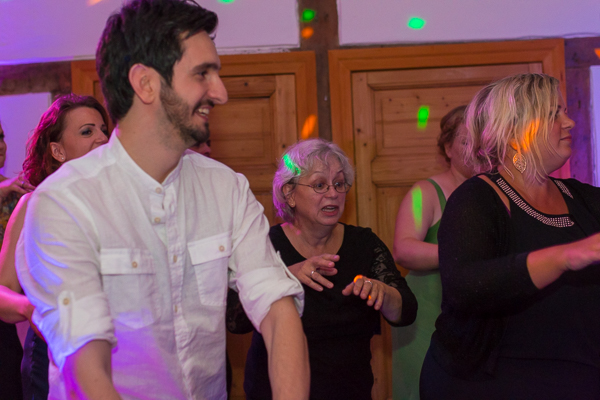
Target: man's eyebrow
x: 205, y: 66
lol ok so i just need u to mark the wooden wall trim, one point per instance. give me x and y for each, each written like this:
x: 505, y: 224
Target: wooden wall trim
x: 342, y: 63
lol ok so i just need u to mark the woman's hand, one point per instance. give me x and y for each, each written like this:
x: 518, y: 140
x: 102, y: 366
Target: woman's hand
x: 372, y: 290
x: 547, y: 265
x: 17, y: 184
x: 312, y: 271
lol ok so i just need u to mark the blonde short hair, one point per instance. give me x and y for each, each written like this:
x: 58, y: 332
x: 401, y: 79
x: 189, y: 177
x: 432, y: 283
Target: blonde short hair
x: 517, y: 111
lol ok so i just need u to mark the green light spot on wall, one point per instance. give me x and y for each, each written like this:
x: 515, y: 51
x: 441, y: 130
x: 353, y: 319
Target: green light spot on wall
x: 308, y: 15
x: 226, y: 1
x: 291, y: 165
x: 417, y: 207
x: 422, y: 117
x: 416, y: 23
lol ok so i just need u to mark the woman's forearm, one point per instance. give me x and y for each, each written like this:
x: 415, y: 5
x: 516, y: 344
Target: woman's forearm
x: 392, y: 305
x: 14, y: 307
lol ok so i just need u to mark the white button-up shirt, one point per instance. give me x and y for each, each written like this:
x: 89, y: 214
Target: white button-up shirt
x: 108, y: 253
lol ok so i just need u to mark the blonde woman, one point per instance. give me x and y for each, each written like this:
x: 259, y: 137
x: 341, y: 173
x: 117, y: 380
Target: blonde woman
x: 521, y: 297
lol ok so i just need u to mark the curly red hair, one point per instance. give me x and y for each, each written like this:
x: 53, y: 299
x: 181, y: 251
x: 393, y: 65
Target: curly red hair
x: 39, y: 163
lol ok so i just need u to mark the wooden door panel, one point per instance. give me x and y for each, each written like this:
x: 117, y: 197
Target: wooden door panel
x: 376, y: 95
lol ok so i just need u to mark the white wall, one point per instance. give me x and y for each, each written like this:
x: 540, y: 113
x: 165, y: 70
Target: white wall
x: 595, y: 120
x: 385, y: 21
x: 19, y: 115
x: 51, y: 30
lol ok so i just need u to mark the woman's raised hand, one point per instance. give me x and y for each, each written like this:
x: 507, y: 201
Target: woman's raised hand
x: 312, y: 271
x: 372, y: 290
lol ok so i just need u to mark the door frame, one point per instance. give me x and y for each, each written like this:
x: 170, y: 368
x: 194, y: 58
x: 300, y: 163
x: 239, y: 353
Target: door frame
x: 342, y: 63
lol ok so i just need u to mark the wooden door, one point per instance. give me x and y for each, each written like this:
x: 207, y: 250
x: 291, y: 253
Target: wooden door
x: 376, y: 98
x: 272, y: 104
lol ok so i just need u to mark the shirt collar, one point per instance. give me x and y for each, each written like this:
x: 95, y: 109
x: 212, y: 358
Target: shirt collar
x: 139, y: 176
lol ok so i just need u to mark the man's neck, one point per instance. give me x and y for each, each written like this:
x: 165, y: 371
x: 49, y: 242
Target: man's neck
x: 155, y: 151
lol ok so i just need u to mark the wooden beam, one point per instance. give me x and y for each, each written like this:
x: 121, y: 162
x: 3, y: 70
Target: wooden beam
x: 324, y: 38
x: 36, y: 78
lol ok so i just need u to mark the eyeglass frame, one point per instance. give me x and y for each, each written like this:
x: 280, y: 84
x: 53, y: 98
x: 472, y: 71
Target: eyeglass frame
x: 346, y: 185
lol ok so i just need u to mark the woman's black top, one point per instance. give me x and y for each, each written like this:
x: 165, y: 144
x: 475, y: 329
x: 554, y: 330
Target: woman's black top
x: 338, y: 328
x: 490, y: 308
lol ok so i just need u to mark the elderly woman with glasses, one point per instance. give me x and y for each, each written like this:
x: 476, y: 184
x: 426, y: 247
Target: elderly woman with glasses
x: 349, y: 275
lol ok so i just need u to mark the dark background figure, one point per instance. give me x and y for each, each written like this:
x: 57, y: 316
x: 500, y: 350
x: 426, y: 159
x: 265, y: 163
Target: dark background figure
x: 11, y: 351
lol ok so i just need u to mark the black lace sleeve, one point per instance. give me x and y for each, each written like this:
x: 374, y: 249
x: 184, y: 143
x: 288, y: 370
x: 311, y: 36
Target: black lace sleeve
x: 384, y: 269
x: 236, y: 319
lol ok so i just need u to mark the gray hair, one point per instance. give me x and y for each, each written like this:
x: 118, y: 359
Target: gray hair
x: 298, y: 161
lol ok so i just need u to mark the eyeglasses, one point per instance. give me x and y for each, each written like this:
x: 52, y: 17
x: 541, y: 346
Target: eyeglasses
x: 340, y: 187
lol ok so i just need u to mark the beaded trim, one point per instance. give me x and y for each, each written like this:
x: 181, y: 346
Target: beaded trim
x: 563, y: 188
x: 557, y: 222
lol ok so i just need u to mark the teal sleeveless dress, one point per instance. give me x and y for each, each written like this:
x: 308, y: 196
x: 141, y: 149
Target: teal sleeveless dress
x: 410, y: 344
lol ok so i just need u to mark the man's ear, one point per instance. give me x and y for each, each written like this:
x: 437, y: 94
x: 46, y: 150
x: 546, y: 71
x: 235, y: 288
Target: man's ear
x: 145, y: 82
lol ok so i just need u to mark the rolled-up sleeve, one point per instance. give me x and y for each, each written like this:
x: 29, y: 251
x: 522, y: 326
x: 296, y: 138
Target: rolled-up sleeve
x: 57, y: 263
x: 257, y: 271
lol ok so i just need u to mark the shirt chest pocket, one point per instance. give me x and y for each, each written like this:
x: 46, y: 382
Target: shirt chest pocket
x: 210, y: 258
x: 129, y: 281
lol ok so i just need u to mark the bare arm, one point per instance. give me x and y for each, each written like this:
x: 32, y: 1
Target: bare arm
x: 88, y: 372
x: 415, y: 217
x: 14, y: 306
x: 288, y: 353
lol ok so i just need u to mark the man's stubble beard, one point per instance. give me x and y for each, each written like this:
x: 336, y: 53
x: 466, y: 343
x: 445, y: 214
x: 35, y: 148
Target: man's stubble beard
x: 179, y: 114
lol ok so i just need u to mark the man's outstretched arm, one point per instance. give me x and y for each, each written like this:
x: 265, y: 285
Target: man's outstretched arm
x: 288, y: 353
x: 88, y: 372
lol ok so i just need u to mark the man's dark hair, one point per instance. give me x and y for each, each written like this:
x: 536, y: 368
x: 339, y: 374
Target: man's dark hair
x: 148, y: 32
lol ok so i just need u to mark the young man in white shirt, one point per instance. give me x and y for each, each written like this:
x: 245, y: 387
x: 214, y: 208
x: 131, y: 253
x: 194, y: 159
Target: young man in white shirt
x: 127, y: 253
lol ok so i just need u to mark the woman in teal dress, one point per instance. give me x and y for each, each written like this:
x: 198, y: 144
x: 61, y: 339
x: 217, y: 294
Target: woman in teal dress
x: 415, y: 248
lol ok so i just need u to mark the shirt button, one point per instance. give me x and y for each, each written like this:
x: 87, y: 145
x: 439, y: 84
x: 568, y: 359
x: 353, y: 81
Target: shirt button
x: 134, y: 264
x: 158, y: 190
x: 175, y: 258
x: 157, y: 220
x: 175, y: 308
x: 66, y: 302
x: 221, y: 248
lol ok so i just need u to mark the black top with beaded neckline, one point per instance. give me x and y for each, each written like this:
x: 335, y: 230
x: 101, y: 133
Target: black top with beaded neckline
x: 483, y: 253
x: 556, y: 220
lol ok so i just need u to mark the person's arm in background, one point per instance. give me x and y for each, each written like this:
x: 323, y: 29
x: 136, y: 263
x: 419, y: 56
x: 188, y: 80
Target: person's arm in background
x: 14, y: 306
x: 289, y: 371
x: 415, y: 217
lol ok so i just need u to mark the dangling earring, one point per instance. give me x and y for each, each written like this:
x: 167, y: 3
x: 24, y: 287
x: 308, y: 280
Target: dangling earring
x: 520, y: 162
